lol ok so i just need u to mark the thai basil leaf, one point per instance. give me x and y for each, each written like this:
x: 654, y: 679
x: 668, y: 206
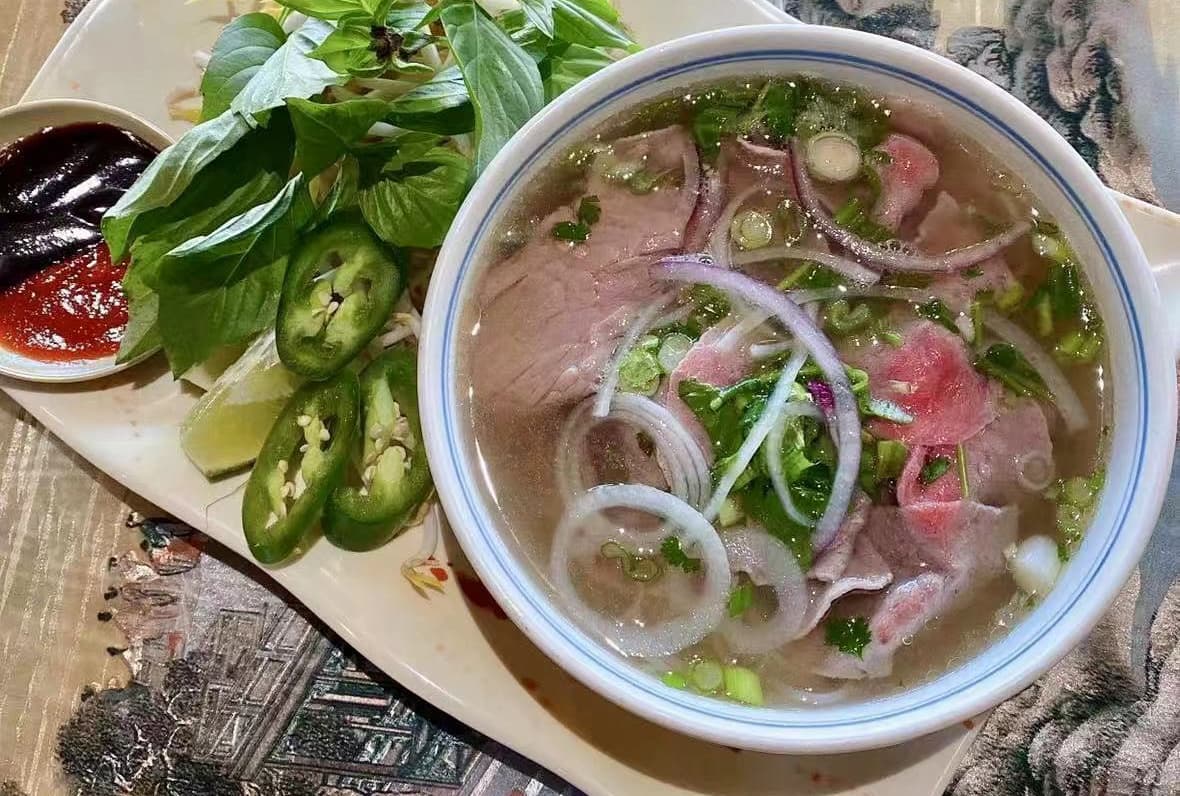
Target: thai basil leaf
x: 762, y: 505
x: 344, y: 191
x: 594, y: 23
x: 142, y: 333
x: 242, y: 48
x: 325, y: 131
x: 573, y: 65
x: 348, y: 50
x: 406, y: 16
x: 502, y: 80
x: 540, y: 14
x: 324, y: 9
x: 167, y: 177
x: 220, y: 289
x: 414, y: 203
x: 290, y: 72
x: 1004, y: 363
x: 439, y: 106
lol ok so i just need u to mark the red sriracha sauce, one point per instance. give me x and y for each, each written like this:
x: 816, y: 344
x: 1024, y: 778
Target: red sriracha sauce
x: 68, y: 311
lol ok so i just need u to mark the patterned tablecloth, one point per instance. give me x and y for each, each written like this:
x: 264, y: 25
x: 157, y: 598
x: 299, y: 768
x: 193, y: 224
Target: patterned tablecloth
x: 234, y: 689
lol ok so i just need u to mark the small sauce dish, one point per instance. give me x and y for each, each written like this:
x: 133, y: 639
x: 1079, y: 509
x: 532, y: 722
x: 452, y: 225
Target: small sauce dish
x: 62, y: 163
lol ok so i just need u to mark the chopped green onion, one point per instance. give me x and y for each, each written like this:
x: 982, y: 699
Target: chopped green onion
x: 1078, y: 492
x: 891, y: 458
x: 1069, y: 520
x: 1010, y: 299
x: 892, y: 338
x: 935, y: 310
x: 731, y: 513
x: 752, y: 229
x: 740, y: 599
x: 1044, y: 309
x: 673, y: 350
x: 640, y: 371
x: 977, y: 322
x: 934, y: 469
x: 674, y: 680
x: 637, y: 567
x: 886, y: 410
x: 844, y: 319
x: 613, y: 550
x: 1051, y: 248
x: 792, y: 219
x: 707, y: 676
x: 833, y: 156
x: 743, y: 685
x: 974, y: 272
x: 962, y: 456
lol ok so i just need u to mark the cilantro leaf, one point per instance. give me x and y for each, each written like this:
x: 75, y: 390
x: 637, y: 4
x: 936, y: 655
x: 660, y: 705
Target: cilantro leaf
x: 850, y: 635
x: 674, y: 554
x: 1004, y: 363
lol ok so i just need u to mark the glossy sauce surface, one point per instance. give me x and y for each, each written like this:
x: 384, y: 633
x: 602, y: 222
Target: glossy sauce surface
x: 68, y: 311
x: 55, y: 186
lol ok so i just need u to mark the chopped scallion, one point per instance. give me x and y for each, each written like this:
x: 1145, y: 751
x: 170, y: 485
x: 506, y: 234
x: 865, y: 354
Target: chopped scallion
x: 752, y: 229
x: 740, y: 599
x: 891, y: 458
x: 743, y: 685
x: 707, y: 676
x: 962, y: 457
x: 674, y: 680
x: 934, y: 469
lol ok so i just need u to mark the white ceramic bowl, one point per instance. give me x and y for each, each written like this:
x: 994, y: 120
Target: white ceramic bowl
x: 25, y: 119
x: 1142, y: 376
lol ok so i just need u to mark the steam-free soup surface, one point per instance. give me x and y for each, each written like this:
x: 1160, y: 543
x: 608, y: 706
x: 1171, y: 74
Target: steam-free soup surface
x: 789, y: 393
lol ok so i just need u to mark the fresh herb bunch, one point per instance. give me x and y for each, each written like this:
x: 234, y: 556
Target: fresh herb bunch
x: 382, y: 109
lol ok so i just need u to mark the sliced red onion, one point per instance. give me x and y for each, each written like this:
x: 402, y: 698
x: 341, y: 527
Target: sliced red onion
x: 720, y: 244
x: 889, y: 258
x: 772, y: 451
x: 804, y: 330
x: 695, y: 533
x: 841, y: 265
x: 710, y: 203
x: 767, y: 562
x: 679, y: 456
x: 753, y: 441
x: 1065, y: 398
x: 610, y: 377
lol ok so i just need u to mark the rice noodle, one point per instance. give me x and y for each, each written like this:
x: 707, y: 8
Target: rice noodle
x: 679, y: 456
x: 803, y: 328
x: 768, y: 563
x: 719, y: 240
x: 610, y: 377
x: 841, y: 265
x: 697, y: 536
x: 1073, y: 413
x: 753, y: 441
x: 772, y: 450
x: 894, y: 259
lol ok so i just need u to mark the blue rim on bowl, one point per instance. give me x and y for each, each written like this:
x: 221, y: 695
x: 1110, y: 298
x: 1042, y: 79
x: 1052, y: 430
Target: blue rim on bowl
x: 1056, y: 625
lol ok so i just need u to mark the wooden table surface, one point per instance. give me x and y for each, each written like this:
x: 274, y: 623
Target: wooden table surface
x: 60, y: 522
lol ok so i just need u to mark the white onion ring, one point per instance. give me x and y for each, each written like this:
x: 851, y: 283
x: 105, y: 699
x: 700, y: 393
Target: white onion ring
x: 664, y: 638
x: 610, y: 377
x: 891, y: 259
x: 911, y: 294
x: 772, y: 450
x: 1073, y: 413
x: 753, y: 441
x: 841, y: 265
x: 679, y: 456
x: 719, y: 243
x: 803, y: 328
x: 768, y: 563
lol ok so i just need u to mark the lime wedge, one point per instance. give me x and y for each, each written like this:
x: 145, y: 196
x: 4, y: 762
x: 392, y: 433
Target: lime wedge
x: 226, y: 429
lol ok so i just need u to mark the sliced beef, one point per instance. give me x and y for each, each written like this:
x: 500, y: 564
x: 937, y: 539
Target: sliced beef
x: 939, y: 553
x: 850, y: 564
x: 743, y: 165
x: 948, y: 227
x: 931, y: 377
x: 713, y: 360
x: 1017, y: 440
x: 911, y: 171
x: 552, y: 313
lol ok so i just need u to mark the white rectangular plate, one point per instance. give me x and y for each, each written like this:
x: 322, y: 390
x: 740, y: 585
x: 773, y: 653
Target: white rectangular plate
x: 133, y: 53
